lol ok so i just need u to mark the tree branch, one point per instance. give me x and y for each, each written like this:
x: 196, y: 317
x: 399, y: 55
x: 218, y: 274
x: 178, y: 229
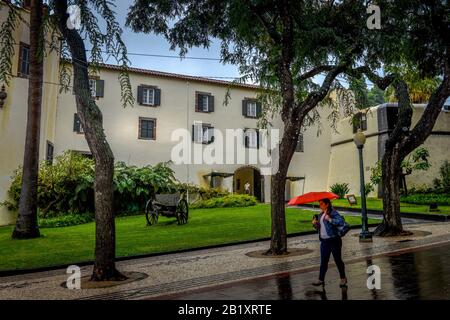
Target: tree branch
x: 314, y: 72
x: 258, y: 11
x: 425, y: 125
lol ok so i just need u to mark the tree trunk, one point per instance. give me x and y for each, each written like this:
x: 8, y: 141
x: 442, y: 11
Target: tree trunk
x: 26, y: 225
x: 402, y: 142
x: 392, y: 223
x: 92, y: 121
x: 278, y: 243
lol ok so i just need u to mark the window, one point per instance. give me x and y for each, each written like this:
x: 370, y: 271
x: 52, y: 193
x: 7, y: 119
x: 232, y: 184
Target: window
x: 300, y: 146
x: 204, y: 102
x: 77, y: 127
x: 359, y: 122
x: 93, y: 87
x: 251, y: 138
x: 49, y: 153
x: 149, y: 96
x: 147, y: 129
x: 447, y: 104
x: 251, y: 108
x: 392, y: 117
x: 202, y: 133
x: 96, y: 86
x: 24, y: 60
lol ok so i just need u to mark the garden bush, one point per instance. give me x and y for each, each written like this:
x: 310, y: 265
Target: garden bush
x: 426, y: 199
x: 203, y: 193
x: 228, y: 201
x: 442, y: 184
x: 340, y: 189
x: 66, y: 220
x: 67, y: 187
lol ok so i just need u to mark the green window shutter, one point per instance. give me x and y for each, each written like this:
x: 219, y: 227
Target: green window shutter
x: 140, y: 94
x: 157, y: 97
x: 244, y: 108
x: 258, y: 109
x: 100, y: 89
x: 198, y: 102
x: 210, y: 103
x: 258, y: 139
x: 76, y: 123
x: 211, y: 135
x: 246, y: 139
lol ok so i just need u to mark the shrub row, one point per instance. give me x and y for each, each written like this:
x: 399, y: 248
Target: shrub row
x: 67, y: 187
x: 426, y: 199
x: 228, y: 201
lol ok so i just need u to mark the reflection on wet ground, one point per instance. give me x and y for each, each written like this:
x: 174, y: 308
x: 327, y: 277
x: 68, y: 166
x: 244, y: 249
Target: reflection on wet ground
x: 422, y: 274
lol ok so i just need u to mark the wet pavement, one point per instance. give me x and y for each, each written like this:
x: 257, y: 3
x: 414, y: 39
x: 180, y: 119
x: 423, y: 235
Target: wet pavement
x: 412, y: 267
x: 419, y: 274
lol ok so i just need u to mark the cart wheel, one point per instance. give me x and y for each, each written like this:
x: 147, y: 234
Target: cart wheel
x: 182, y: 212
x: 151, y: 214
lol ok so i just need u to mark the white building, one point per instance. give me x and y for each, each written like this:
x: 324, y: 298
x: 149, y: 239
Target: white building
x: 167, y: 102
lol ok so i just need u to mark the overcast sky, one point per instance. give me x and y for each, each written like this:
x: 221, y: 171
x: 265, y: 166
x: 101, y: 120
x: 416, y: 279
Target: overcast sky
x: 153, y: 44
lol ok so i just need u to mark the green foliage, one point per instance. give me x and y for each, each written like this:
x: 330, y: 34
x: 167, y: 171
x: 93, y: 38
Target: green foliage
x: 359, y: 89
x: 421, y: 189
x: 133, y: 186
x: 103, y: 37
x: 341, y: 189
x: 417, y: 161
x: 231, y: 200
x: 375, y: 96
x: 376, y: 174
x: 369, y: 188
x: 320, y: 36
x: 7, y: 42
x: 66, y: 220
x: 442, y: 184
x: 67, y: 187
x: 204, y: 193
x: 420, y: 89
x: 426, y: 199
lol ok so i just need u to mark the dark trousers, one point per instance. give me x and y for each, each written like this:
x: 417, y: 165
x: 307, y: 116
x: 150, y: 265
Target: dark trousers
x: 328, y: 247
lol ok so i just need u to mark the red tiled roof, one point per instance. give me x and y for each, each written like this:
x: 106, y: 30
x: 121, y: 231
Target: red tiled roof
x: 178, y: 76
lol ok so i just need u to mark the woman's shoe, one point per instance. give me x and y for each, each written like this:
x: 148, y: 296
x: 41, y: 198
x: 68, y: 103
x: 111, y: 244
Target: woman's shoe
x: 343, y: 283
x: 318, y: 283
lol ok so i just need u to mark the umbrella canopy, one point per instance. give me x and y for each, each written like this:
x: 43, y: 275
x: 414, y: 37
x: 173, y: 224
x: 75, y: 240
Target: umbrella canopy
x: 312, y: 197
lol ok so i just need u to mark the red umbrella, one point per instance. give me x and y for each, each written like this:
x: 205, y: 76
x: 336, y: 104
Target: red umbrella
x: 312, y: 197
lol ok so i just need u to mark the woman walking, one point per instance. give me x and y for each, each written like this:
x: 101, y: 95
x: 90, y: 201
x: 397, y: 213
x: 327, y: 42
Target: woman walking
x: 330, y: 241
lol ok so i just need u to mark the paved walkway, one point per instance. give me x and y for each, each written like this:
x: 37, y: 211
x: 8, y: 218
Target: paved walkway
x: 199, y: 270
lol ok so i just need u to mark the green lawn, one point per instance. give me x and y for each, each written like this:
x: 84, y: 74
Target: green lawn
x: 377, y: 204
x: 205, y: 227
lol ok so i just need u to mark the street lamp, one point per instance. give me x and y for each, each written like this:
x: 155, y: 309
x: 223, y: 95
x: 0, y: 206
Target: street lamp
x: 360, y: 140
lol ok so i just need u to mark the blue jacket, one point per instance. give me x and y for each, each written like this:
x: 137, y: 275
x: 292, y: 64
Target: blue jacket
x: 336, y: 221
